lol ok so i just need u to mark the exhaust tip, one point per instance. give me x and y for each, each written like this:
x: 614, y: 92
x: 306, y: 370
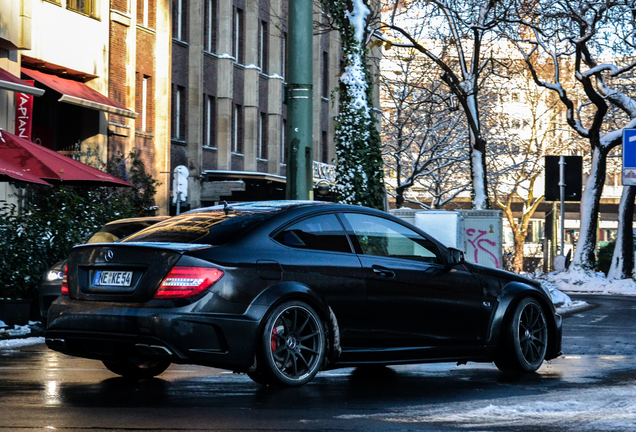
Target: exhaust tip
x: 56, y: 344
x: 153, y: 350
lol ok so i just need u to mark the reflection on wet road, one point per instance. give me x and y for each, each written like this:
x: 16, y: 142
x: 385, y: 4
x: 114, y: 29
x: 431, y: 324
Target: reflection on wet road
x: 582, y: 390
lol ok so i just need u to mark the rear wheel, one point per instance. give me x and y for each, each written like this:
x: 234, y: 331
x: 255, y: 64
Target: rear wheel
x: 292, y: 346
x: 524, y: 339
x: 142, y: 369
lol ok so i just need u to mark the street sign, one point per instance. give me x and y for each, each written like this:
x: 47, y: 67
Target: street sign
x: 629, y: 157
x: 180, y: 184
x: 573, y: 178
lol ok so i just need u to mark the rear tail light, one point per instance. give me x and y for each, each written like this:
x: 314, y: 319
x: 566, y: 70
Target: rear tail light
x: 185, y: 282
x: 65, y: 282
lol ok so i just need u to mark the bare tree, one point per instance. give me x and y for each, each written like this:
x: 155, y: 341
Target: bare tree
x: 520, y: 135
x: 593, y: 43
x: 423, y: 139
x: 457, y: 36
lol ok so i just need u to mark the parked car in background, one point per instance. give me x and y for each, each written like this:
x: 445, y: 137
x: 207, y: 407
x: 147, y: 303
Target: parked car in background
x: 283, y: 289
x: 50, y: 286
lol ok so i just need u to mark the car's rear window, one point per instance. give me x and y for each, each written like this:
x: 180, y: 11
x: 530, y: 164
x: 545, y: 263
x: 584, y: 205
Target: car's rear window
x: 114, y: 232
x: 212, y: 227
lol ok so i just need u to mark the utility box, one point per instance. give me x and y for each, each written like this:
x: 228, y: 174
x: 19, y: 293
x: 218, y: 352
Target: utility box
x: 445, y: 226
x: 405, y: 213
x: 478, y: 233
x: 484, y: 237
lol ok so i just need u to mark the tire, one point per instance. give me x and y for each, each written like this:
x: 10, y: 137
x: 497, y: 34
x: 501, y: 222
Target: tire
x: 292, y: 346
x: 139, y: 370
x: 524, y: 339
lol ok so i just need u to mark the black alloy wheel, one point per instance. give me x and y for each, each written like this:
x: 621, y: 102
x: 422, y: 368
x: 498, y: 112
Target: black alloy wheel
x: 525, y: 339
x: 138, y: 370
x: 292, y: 347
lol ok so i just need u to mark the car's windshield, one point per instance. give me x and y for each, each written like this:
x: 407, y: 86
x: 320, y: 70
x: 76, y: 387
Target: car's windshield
x: 214, y: 227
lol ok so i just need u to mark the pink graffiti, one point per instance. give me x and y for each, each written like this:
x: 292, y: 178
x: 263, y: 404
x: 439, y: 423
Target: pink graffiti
x: 477, y: 244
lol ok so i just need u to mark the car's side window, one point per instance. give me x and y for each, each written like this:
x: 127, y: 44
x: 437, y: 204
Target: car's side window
x: 382, y: 237
x: 322, y: 232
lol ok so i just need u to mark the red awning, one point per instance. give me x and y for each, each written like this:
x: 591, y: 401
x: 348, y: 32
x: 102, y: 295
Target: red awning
x: 8, y: 81
x: 77, y: 93
x: 52, y: 166
x: 10, y: 172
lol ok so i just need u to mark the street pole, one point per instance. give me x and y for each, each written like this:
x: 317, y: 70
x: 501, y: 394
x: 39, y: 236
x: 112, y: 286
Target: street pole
x: 299, y: 95
x: 562, y: 190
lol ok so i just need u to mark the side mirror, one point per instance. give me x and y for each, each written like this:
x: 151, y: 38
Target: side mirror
x: 455, y: 256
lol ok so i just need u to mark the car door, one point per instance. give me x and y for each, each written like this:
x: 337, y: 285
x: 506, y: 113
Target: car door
x: 322, y: 257
x: 414, y: 299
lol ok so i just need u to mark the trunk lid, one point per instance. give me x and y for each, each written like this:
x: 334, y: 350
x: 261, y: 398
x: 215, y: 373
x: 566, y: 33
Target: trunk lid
x: 122, y: 272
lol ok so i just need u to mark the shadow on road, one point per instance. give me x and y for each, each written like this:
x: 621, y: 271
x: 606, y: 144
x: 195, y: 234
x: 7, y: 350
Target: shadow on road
x: 335, y: 390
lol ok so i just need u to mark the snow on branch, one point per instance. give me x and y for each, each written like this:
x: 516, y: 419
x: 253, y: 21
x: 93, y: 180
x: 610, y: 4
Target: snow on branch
x: 600, y: 68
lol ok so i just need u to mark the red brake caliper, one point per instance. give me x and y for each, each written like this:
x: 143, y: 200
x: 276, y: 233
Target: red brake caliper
x: 274, y: 331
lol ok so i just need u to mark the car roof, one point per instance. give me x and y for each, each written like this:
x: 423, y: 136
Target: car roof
x: 259, y: 206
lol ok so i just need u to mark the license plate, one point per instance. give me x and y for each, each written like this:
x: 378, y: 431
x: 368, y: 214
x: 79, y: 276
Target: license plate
x: 113, y: 278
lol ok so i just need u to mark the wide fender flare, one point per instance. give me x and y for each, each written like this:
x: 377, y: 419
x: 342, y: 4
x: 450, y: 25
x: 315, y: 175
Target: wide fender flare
x: 510, y: 296
x: 281, y: 292
x: 287, y: 291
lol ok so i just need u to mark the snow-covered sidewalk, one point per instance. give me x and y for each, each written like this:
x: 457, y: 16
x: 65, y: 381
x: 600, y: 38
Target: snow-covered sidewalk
x: 20, y: 335
x: 590, y: 283
x: 560, y: 284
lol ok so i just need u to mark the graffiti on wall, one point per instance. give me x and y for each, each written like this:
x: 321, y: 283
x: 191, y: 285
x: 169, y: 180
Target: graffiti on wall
x: 483, y: 243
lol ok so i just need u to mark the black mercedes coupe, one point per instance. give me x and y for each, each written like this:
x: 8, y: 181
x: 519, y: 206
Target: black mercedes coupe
x: 283, y: 289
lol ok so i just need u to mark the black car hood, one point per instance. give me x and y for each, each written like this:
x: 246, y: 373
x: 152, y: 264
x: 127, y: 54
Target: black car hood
x: 502, y: 275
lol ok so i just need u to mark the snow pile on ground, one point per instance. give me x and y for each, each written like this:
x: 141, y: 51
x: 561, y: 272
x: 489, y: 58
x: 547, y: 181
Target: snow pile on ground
x: 16, y: 343
x: 16, y: 336
x: 593, y: 409
x: 582, y: 282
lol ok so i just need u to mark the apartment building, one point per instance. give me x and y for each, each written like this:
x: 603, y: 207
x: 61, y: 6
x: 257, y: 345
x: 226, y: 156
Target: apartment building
x: 228, y: 89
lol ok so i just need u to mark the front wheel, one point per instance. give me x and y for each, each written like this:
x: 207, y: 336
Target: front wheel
x: 524, y: 339
x: 292, y: 346
x: 130, y: 369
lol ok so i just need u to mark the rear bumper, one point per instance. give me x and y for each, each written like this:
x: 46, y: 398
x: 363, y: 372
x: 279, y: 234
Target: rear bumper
x: 104, y: 331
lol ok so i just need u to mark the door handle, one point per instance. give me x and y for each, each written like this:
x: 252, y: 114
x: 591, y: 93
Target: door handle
x: 383, y: 272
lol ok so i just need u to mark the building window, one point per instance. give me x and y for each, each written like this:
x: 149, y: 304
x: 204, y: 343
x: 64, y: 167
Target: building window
x: 237, y: 130
x: 324, y: 148
x: 238, y: 36
x: 209, y: 122
x: 262, y: 136
x: 283, y: 144
x: 84, y: 6
x: 263, y: 37
x: 143, y: 12
x: 325, y: 74
x: 178, y: 113
x: 179, y: 19
x: 283, y: 57
x: 144, y: 103
x: 210, y: 26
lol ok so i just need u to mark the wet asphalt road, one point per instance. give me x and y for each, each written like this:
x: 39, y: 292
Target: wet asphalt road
x: 591, y: 387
